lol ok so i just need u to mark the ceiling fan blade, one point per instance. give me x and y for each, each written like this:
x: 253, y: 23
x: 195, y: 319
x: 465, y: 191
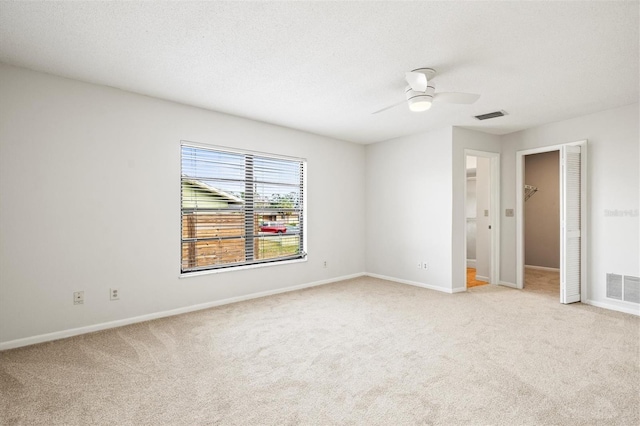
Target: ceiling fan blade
x: 389, y: 107
x: 417, y: 81
x: 456, y: 98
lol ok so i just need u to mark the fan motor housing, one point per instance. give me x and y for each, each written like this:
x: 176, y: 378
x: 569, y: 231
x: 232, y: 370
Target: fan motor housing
x: 411, y: 94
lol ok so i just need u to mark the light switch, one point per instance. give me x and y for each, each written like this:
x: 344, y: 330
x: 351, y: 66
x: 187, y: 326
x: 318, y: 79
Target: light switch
x: 508, y: 212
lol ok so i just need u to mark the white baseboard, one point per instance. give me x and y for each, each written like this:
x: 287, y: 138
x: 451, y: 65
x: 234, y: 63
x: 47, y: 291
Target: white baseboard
x: 627, y: 310
x: 413, y: 283
x: 185, y: 309
x: 508, y: 284
x: 542, y: 268
x: 471, y: 263
x: 481, y: 278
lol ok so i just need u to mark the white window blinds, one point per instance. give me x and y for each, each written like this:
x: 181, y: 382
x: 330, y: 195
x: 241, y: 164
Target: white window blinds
x: 239, y: 208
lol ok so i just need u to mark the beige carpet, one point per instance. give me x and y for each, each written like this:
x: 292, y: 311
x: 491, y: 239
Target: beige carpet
x: 542, y: 282
x: 358, y: 352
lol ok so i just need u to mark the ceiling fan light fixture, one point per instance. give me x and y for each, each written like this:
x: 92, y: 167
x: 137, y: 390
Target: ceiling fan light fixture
x: 421, y: 92
x: 420, y: 103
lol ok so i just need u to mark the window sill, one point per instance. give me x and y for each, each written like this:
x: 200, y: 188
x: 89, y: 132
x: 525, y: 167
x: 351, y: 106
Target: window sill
x: 240, y: 268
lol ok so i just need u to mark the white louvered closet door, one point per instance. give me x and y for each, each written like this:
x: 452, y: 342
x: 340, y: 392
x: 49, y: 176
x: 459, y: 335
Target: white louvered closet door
x: 570, y: 224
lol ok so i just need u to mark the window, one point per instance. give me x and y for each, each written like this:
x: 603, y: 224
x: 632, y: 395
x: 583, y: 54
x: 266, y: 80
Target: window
x: 239, y: 208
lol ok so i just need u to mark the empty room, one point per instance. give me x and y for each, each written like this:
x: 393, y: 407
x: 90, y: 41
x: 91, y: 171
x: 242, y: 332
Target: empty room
x: 319, y: 213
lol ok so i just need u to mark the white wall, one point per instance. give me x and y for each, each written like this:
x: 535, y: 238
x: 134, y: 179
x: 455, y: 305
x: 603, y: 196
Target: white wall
x: 613, y: 184
x: 408, y: 199
x: 90, y: 199
x: 464, y: 139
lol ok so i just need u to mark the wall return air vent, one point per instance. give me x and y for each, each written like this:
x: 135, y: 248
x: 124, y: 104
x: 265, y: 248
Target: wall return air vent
x: 625, y: 288
x: 490, y: 115
x: 631, y: 289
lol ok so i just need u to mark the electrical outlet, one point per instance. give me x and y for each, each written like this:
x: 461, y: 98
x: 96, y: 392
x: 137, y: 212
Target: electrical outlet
x: 324, y: 264
x: 78, y: 297
x: 114, y: 294
x: 419, y: 265
x: 424, y: 266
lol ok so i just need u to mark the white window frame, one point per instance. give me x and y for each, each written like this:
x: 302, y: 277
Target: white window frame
x: 266, y: 263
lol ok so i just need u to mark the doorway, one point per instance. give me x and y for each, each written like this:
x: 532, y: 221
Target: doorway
x: 542, y: 223
x: 572, y: 223
x: 482, y: 218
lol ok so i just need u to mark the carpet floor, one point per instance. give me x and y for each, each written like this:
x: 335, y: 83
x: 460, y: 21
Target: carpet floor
x: 542, y: 282
x: 359, y: 352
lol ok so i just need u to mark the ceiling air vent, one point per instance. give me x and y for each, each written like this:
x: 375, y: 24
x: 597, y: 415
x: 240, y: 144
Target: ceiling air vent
x: 490, y: 115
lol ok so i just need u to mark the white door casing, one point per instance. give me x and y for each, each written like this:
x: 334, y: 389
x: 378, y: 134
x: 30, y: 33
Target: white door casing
x: 573, y: 213
x: 494, y: 213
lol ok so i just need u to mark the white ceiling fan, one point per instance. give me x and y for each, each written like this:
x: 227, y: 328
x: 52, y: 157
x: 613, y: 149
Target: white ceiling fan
x: 420, y: 93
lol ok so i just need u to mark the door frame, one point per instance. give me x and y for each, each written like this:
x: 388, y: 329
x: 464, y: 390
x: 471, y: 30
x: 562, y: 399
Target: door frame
x: 583, y: 211
x: 494, y: 208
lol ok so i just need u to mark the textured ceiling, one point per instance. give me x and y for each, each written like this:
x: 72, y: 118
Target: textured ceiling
x: 323, y: 67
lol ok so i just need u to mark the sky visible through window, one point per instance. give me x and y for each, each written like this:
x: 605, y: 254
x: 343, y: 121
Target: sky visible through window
x: 273, y: 178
